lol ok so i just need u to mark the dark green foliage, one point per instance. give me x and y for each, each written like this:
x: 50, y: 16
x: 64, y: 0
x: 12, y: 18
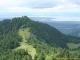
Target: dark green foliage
x: 74, y: 39
x: 43, y: 32
x: 20, y: 54
x: 9, y: 37
x: 50, y: 35
x: 43, y: 38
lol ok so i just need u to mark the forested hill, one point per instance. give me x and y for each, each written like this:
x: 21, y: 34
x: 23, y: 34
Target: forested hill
x: 44, y: 32
x: 41, y: 32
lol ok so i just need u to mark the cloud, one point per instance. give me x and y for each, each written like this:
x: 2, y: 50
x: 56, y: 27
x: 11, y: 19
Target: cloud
x: 32, y: 3
x: 75, y: 2
x: 10, y: 3
x: 44, y: 3
x: 38, y: 4
x: 63, y: 8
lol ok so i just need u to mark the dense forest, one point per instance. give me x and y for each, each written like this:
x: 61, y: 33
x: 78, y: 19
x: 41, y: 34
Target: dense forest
x: 47, y: 41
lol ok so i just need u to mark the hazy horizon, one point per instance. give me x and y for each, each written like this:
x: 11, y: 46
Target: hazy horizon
x: 62, y: 10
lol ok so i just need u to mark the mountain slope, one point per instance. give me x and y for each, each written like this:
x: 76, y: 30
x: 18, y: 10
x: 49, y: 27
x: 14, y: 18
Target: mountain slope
x: 50, y: 35
x: 38, y: 40
x: 43, y: 32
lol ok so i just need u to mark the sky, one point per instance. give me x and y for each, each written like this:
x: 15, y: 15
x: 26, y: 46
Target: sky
x: 62, y: 10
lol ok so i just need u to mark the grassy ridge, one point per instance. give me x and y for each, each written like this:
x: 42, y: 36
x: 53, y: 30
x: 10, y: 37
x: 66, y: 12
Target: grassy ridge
x: 23, y: 45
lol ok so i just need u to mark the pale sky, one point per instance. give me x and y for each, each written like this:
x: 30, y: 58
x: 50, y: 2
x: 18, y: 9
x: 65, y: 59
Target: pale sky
x: 62, y: 10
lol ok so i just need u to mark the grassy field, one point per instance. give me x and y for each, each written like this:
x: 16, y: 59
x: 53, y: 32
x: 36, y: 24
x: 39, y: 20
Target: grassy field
x: 23, y: 45
x: 73, y: 45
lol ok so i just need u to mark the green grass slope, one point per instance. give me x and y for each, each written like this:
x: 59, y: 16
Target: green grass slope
x: 24, y: 45
x: 73, y: 45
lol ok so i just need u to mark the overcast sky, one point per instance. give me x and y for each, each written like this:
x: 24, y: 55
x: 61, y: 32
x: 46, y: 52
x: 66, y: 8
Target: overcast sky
x: 62, y: 10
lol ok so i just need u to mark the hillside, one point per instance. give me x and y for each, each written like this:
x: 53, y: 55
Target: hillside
x: 66, y: 27
x: 24, y: 39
